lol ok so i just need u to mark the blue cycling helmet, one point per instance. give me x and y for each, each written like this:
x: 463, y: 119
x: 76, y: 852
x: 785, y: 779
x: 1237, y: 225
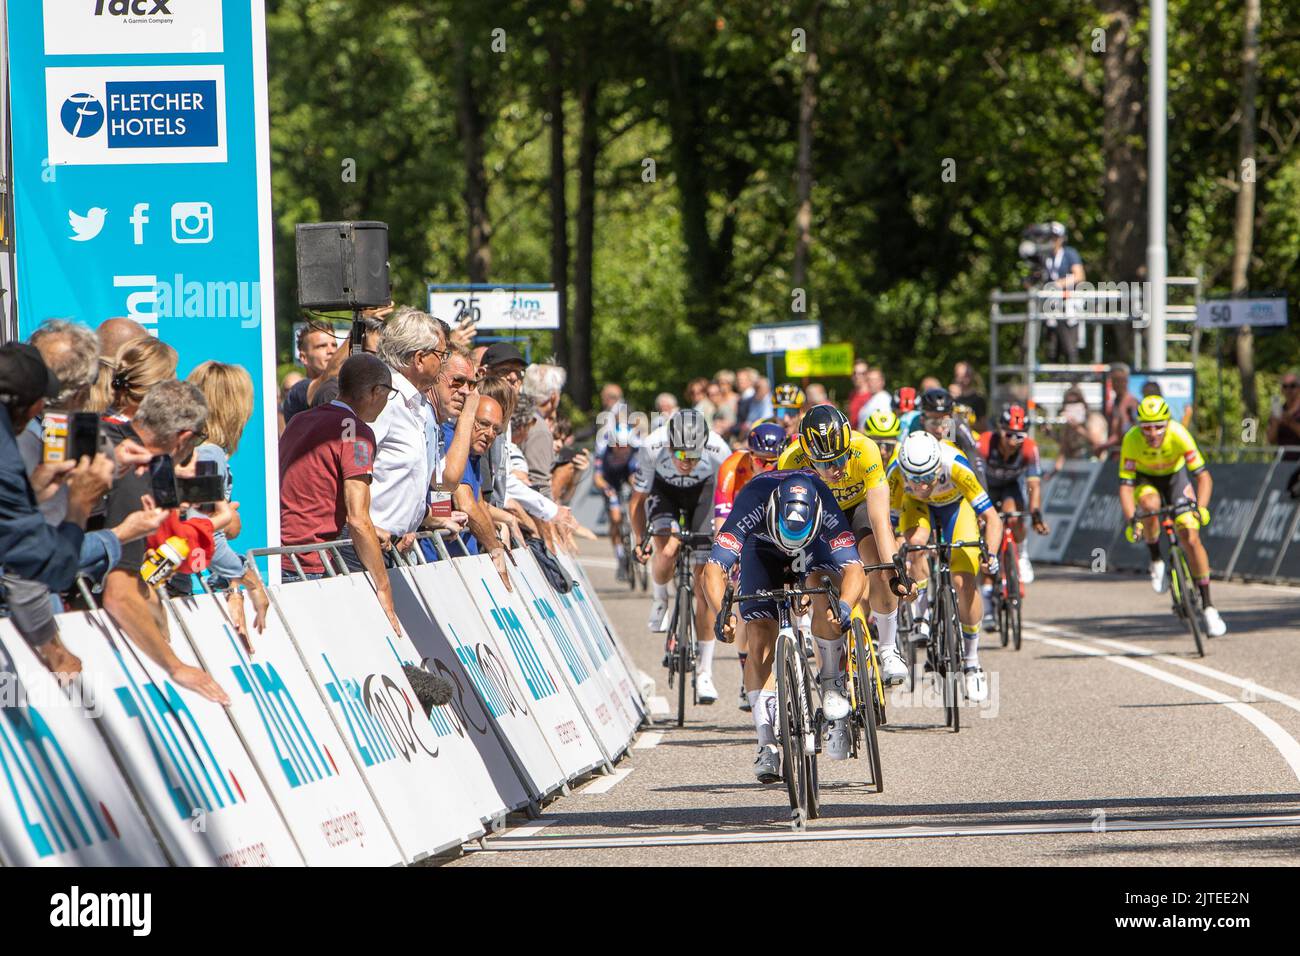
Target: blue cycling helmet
x: 794, y: 514
x: 766, y: 439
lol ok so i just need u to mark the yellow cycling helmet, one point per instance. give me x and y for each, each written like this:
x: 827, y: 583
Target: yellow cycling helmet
x: 788, y: 396
x: 882, y: 424
x: 1153, y: 409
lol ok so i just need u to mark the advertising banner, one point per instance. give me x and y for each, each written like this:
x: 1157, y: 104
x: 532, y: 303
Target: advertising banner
x: 345, y: 638
x: 1237, y: 487
x: 587, y: 601
x: 1065, y: 494
x: 62, y: 800
x: 141, y: 186
x: 180, y: 751
x: 290, y: 736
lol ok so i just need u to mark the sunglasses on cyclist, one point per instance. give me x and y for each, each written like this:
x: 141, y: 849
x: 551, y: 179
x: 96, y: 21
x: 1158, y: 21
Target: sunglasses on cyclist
x: 786, y: 411
x: 1015, y: 436
x: 1154, y: 428
x: 920, y: 481
x: 839, y: 462
x: 683, y: 454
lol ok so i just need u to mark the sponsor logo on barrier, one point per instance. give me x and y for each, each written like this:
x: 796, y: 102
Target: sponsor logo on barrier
x: 570, y: 653
x: 74, y: 908
x: 489, y: 677
x: 301, y: 758
x: 379, y: 715
x: 444, y: 719
x: 343, y: 829
x: 132, y: 26
x: 539, y: 682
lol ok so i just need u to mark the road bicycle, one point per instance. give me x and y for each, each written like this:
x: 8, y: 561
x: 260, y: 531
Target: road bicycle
x: 681, y: 649
x: 634, y: 572
x: 1008, y: 589
x: 1178, y: 573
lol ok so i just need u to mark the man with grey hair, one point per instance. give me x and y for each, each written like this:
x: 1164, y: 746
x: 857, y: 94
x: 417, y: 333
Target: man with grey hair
x: 1119, y: 405
x: 542, y: 383
x: 170, y: 421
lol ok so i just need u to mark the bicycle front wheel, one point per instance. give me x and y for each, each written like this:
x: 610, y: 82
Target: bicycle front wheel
x: 865, y: 695
x: 791, y: 712
x: 1012, y: 600
x: 1189, y: 597
x: 685, y: 627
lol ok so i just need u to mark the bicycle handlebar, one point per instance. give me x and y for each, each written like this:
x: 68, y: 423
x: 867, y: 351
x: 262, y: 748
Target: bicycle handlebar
x: 1174, y: 510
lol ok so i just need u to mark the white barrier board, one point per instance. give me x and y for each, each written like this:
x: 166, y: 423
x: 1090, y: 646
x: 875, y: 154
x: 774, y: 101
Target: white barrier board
x: 188, y: 766
x: 62, y: 800
x: 585, y: 607
x: 291, y: 738
x: 344, y: 638
x: 485, y: 668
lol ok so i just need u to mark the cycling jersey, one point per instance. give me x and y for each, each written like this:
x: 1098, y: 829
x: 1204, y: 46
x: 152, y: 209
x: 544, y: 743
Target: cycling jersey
x: 863, y: 471
x: 1177, y: 451
x: 655, y: 463
x: 957, y: 479
x: 732, y: 477
x: 965, y: 441
x: 1001, y: 469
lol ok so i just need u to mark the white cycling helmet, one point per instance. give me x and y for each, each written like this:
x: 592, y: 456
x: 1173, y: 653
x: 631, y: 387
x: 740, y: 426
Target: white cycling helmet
x: 920, y: 456
x: 688, y: 432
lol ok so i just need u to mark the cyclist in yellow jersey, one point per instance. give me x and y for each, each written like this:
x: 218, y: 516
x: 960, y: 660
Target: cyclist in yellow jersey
x: 1158, y: 459
x: 849, y: 463
x: 932, y: 484
x: 787, y: 408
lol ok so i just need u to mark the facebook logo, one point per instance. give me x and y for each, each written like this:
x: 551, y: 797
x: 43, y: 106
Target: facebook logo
x: 162, y: 113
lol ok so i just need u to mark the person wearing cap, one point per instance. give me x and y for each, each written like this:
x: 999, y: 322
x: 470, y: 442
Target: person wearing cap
x: 1063, y: 268
x: 38, y: 557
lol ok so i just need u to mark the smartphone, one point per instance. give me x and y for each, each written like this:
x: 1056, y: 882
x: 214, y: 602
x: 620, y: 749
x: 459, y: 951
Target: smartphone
x: 162, y: 480
x: 83, y: 435
x: 205, y: 487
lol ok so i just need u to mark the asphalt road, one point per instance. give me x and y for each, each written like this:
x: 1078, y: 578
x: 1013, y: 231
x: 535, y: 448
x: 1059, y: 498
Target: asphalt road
x: 1104, y: 741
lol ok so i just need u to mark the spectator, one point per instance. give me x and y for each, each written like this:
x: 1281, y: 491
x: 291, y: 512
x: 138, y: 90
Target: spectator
x: 611, y: 399
x: 228, y: 391
x: 287, y: 381
x: 455, y: 389
x: 38, y: 557
x: 665, y: 405
x: 861, y: 392
x: 327, y: 455
x: 881, y: 400
x: 697, y: 396
x: 139, y: 365
x: 1119, y: 406
x: 1072, y: 435
x: 1063, y: 270
x: 928, y: 383
x: 112, y: 335
x: 967, y: 389
x: 1284, y: 419
x: 570, y: 461
x: 316, y: 346
x: 761, y: 409
x: 325, y: 387
x: 746, y: 386
x: 489, y: 425
x: 816, y: 394
x: 171, y: 420
x: 542, y: 383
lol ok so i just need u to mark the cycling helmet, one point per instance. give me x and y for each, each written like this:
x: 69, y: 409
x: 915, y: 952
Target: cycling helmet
x: 766, y: 439
x: 824, y: 433
x: 688, y: 432
x: 622, y: 436
x: 794, y: 514
x: 882, y: 424
x: 788, y: 396
x: 1153, y: 409
x: 937, y: 401
x: 1012, y: 419
x: 905, y: 399
x: 920, y: 456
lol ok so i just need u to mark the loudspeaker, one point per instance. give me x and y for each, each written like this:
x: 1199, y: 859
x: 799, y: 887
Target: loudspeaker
x: 342, y: 265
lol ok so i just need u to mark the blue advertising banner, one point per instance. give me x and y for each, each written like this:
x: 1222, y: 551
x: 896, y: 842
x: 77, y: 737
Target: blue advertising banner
x: 141, y: 172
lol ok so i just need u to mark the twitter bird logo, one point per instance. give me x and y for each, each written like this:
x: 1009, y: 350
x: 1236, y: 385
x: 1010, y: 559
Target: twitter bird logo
x: 87, y: 227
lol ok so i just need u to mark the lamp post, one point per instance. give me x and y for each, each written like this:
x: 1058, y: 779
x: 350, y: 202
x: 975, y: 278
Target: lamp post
x: 1157, y: 254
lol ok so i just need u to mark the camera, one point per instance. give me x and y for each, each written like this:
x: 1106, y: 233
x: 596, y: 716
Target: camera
x: 1037, y: 243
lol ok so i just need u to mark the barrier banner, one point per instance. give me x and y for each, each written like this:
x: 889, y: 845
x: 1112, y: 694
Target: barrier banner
x: 484, y: 666
x: 534, y: 669
x: 188, y: 767
x: 1065, y: 493
x: 1266, y: 545
x: 1099, y: 527
x: 1236, y: 488
x: 466, y: 737
x: 291, y: 738
x: 587, y: 602
x: 593, y: 680
x: 344, y: 638
x: 62, y: 800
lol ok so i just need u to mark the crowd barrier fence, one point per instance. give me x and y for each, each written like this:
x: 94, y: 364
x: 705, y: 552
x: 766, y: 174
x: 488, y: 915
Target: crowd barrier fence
x: 324, y: 756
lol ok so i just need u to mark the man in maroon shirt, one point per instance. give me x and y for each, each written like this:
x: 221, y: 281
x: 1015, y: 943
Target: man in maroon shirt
x: 326, y: 458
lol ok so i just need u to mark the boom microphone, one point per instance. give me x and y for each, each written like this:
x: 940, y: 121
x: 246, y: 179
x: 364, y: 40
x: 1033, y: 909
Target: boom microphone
x: 430, y: 689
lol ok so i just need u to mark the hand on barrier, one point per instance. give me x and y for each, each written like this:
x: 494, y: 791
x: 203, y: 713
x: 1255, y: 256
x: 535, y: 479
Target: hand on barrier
x: 235, y: 608
x: 1040, y: 526
x: 498, y: 556
x: 1204, y: 514
x: 200, y: 682
x: 724, y: 629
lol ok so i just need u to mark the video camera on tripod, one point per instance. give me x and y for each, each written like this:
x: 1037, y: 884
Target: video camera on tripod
x: 1037, y: 244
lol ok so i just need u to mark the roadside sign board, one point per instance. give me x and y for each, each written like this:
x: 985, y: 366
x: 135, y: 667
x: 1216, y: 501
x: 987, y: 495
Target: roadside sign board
x: 834, y: 358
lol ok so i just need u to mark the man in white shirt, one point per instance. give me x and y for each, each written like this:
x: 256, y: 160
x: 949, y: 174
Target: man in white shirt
x: 880, y: 400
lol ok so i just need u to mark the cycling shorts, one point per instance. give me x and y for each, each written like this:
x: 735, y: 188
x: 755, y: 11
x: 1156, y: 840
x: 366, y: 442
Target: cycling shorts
x: 616, y: 476
x: 666, y: 502
x: 956, y: 521
x: 859, y: 521
x: 1170, y: 488
x: 765, y: 568
x: 1015, y: 489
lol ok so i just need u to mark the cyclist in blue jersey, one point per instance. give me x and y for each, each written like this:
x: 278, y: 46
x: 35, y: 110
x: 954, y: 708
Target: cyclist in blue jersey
x: 616, y: 449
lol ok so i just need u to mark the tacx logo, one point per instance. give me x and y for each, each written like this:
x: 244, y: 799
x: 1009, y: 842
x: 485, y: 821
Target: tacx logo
x: 137, y: 8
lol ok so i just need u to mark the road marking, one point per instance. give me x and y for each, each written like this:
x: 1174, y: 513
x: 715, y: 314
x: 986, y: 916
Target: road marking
x: 609, y: 563
x: 647, y: 740
x: 606, y: 783
x: 1195, y: 666
x: 658, y: 706
x: 814, y: 835
x: 529, y: 829
x: 1286, y: 745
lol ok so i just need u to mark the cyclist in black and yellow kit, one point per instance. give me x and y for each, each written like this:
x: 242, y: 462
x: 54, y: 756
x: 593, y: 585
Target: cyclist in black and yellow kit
x: 1158, y: 460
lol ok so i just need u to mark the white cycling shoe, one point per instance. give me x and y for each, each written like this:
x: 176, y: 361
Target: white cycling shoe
x: 835, y: 739
x: 920, y: 635
x: 1026, y: 570
x: 705, y: 692
x: 658, y: 611
x: 1158, y: 577
x: 767, y: 765
x: 892, y: 669
x: 835, y: 705
x: 1213, y: 623
x: 977, y: 685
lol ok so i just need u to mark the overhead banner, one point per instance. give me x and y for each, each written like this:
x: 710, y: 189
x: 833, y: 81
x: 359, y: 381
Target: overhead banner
x: 834, y: 358
x: 141, y: 182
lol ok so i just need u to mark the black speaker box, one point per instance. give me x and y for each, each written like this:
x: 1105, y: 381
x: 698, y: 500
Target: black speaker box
x: 342, y: 265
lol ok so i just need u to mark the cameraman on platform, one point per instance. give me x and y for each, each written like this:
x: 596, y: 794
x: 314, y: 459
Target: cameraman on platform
x: 1058, y: 267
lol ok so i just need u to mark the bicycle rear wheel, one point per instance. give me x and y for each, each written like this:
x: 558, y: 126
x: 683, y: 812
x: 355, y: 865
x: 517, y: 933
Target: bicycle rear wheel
x: 1190, y: 598
x: 865, y: 696
x: 685, y: 621
x: 791, y: 712
x: 1012, y: 600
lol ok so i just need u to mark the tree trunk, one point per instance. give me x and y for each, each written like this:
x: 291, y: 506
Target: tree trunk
x: 559, y: 207
x: 1123, y: 148
x: 803, y: 170
x: 685, y: 120
x: 580, y: 386
x: 469, y: 125
x: 1243, y: 231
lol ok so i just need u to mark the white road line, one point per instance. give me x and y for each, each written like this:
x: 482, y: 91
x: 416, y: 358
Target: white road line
x: 658, y: 706
x: 1099, y: 825
x: 1195, y: 666
x: 1286, y: 745
x: 648, y: 740
x: 606, y: 783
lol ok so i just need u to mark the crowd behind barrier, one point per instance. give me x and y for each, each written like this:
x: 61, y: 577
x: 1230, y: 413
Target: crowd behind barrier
x: 324, y: 755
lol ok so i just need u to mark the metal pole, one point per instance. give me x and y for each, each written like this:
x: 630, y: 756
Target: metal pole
x: 1157, y: 255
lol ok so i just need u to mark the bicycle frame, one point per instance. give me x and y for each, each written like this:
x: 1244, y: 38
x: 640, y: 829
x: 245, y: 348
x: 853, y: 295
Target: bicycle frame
x: 1184, y: 594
